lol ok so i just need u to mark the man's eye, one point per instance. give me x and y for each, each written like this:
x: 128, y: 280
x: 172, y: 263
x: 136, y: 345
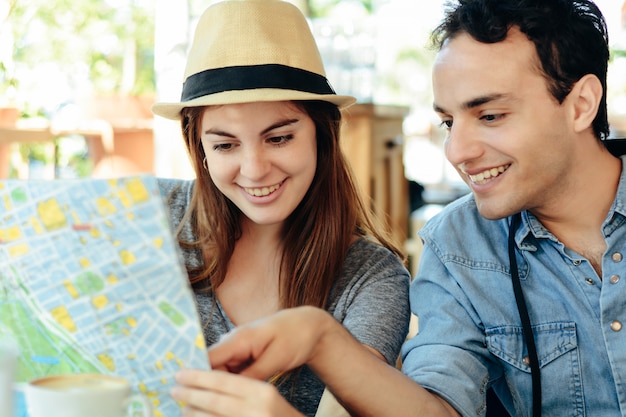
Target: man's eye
x: 492, y: 117
x: 446, y: 124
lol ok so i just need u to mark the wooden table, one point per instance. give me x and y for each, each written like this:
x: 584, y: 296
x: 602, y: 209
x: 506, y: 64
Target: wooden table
x: 48, y: 134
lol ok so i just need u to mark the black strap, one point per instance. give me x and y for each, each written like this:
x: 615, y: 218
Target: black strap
x: 524, y: 317
x: 617, y: 147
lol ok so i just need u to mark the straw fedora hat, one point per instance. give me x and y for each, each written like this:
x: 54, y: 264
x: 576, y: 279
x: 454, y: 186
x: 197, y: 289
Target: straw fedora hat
x: 252, y: 50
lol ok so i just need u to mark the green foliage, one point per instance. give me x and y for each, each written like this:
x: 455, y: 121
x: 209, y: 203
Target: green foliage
x: 95, y: 33
x: 418, y: 56
x: 34, y: 151
x: 617, y: 53
x: 8, y: 83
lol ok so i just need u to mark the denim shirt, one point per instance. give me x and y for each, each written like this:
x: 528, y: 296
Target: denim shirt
x: 470, y: 333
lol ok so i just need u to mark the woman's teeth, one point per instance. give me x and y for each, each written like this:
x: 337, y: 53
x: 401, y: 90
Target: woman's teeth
x: 261, y: 192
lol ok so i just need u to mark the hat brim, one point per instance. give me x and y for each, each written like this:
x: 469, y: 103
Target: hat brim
x: 172, y: 110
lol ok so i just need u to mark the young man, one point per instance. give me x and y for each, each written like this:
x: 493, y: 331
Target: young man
x: 522, y: 284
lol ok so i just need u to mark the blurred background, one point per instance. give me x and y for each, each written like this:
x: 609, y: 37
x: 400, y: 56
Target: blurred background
x: 77, y: 78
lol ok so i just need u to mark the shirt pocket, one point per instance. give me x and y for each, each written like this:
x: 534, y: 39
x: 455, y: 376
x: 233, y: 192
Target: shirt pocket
x: 557, y: 351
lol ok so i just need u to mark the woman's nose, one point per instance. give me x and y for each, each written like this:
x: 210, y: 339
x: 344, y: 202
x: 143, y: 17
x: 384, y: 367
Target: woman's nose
x: 254, y: 164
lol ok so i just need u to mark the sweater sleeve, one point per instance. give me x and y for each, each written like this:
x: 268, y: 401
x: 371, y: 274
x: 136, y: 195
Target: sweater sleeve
x: 177, y: 194
x: 371, y: 298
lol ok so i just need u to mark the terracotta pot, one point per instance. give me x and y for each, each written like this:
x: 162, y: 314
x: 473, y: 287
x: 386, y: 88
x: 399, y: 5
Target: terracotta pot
x: 133, y: 143
x: 8, y: 118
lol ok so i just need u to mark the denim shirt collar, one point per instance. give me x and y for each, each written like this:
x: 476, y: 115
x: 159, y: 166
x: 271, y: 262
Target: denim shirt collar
x: 532, y: 227
x: 617, y: 214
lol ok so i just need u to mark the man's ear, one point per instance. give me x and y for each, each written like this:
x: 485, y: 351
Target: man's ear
x: 585, y: 98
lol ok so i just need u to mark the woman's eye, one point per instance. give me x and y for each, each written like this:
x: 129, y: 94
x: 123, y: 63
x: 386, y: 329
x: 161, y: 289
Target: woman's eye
x: 223, y: 147
x: 279, y: 140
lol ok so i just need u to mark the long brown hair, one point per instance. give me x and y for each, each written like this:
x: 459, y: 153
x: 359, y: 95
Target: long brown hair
x: 316, y: 236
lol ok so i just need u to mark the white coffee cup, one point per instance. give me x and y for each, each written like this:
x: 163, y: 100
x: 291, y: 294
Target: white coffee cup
x: 8, y: 365
x: 82, y: 395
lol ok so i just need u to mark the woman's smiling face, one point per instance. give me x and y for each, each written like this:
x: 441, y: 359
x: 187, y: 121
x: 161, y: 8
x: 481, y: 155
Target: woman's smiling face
x: 261, y: 155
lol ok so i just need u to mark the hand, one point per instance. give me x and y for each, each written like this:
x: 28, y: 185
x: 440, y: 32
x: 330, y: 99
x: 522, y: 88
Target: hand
x: 280, y: 342
x: 218, y: 393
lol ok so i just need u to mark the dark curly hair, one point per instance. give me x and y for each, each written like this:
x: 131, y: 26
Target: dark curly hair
x: 570, y: 37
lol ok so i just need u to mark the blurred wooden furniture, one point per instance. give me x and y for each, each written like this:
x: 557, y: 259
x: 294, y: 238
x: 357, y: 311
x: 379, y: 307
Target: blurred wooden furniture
x: 16, y: 135
x: 21, y: 133
x: 132, y: 146
x: 372, y: 139
x: 131, y: 152
x: 8, y: 118
x: 118, y: 130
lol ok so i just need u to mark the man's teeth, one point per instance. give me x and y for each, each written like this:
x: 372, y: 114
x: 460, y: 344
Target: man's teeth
x: 259, y: 192
x: 488, y: 173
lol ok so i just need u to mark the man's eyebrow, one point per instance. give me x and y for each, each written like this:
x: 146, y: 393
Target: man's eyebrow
x: 276, y: 125
x: 473, y: 103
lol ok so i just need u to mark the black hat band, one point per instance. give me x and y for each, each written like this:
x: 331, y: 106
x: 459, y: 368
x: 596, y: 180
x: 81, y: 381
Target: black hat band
x: 252, y: 77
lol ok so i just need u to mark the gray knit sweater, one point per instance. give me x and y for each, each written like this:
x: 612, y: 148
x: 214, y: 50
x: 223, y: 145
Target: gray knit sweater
x: 370, y: 298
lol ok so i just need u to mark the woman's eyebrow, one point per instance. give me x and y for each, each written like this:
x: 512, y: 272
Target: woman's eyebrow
x: 282, y: 123
x: 218, y: 132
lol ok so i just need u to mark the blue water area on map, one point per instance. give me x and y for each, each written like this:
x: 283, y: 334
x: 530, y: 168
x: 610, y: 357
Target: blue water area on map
x: 47, y: 360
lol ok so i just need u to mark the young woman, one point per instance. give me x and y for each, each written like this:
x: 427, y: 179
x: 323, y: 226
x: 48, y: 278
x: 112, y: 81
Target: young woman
x: 273, y: 219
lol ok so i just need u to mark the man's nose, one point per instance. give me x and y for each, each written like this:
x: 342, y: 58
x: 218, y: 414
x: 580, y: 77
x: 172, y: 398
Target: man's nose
x: 462, y: 144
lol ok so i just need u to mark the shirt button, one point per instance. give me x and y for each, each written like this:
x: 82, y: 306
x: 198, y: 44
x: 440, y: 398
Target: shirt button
x: 577, y: 262
x: 616, y: 326
x: 617, y: 257
x: 589, y: 281
x: 526, y: 360
x: 614, y: 279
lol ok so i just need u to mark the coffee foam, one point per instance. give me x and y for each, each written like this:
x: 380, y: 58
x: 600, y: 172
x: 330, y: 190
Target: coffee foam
x: 80, y: 383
